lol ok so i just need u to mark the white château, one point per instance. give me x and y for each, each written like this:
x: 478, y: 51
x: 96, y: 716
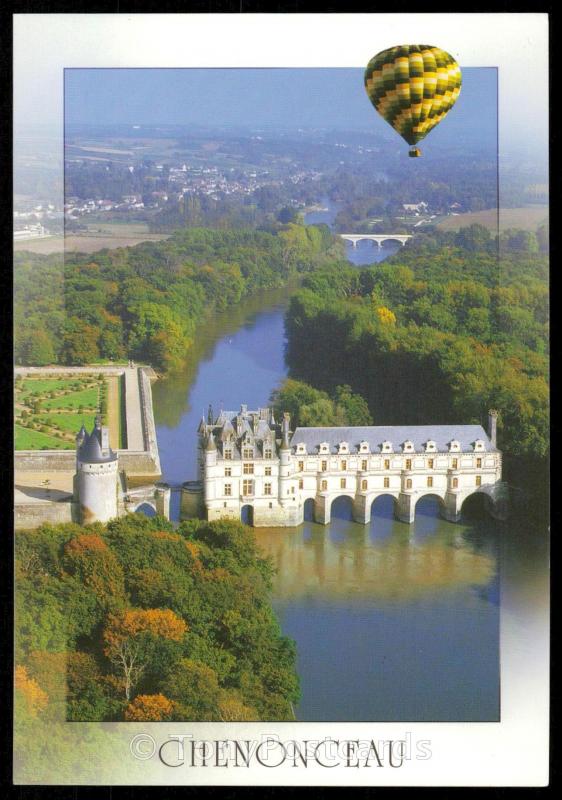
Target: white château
x: 255, y: 468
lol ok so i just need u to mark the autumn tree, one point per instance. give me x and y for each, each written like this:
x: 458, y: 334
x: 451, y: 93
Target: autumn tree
x: 30, y: 697
x: 128, y: 636
x: 149, y: 708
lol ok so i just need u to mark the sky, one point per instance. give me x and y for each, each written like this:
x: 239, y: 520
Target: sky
x: 332, y: 98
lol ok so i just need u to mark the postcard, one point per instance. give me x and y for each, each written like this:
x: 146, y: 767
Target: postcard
x: 281, y: 399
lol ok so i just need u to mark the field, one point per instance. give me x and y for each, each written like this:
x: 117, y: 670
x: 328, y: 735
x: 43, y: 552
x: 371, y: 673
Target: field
x: 100, y: 235
x: 529, y: 219
x: 50, y: 411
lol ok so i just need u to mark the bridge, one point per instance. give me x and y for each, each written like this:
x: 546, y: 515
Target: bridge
x: 379, y: 238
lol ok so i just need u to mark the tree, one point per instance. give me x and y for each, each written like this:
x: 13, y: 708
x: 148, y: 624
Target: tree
x: 32, y: 699
x: 127, y: 639
x: 195, y: 689
x: 149, y: 708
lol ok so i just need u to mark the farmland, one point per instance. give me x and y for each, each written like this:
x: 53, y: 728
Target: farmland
x: 99, y: 236
x: 525, y: 218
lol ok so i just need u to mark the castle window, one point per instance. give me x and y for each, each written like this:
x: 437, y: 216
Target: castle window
x: 228, y: 489
x: 267, y: 488
x: 455, y: 483
x: 301, y: 466
x: 387, y: 463
x: 301, y: 483
x: 430, y: 481
x: 344, y: 465
x: 479, y: 462
x: 479, y: 480
x: 364, y: 464
x: 431, y: 463
x: 248, y: 469
x: 386, y: 483
x: 324, y: 466
x: 247, y: 487
x: 324, y: 485
x: 409, y: 483
x: 455, y: 463
x: 267, y: 453
x: 292, y: 489
x: 408, y: 463
x: 342, y: 483
x: 364, y: 485
x: 268, y: 470
x: 228, y: 455
x: 248, y: 452
x: 227, y: 472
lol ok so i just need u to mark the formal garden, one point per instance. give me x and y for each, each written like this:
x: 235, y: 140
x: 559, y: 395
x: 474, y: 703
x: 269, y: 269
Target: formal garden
x: 49, y: 411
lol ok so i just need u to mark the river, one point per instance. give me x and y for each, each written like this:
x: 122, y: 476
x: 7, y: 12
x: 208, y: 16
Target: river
x: 391, y: 622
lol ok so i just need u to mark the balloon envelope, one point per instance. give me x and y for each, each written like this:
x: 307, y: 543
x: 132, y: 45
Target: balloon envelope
x: 413, y: 87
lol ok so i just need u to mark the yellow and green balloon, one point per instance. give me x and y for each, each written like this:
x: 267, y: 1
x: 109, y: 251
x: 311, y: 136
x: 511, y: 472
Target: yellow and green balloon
x: 413, y: 87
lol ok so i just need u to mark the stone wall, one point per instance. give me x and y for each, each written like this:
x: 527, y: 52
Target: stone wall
x: 32, y: 515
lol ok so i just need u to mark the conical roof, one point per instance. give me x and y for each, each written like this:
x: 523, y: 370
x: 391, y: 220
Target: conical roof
x: 90, y: 450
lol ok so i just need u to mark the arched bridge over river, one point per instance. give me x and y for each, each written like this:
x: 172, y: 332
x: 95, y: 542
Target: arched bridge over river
x: 377, y: 238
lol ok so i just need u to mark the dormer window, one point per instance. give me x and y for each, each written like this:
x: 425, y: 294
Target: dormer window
x: 248, y: 452
x: 227, y: 454
x: 430, y: 446
x: 344, y: 447
x: 364, y: 447
x: 408, y: 447
x: 454, y: 446
x: 267, y: 453
x: 301, y: 448
x: 387, y: 447
x: 324, y: 447
x: 479, y: 445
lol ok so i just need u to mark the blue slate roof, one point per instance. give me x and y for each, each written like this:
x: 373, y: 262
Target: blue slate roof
x: 90, y: 451
x: 375, y: 435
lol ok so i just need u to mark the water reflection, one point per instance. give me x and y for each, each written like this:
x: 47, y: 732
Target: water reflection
x: 393, y: 622
x: 386, y: 559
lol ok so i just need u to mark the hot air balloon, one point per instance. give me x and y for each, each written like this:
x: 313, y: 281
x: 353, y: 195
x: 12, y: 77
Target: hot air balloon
x: 413, y: 86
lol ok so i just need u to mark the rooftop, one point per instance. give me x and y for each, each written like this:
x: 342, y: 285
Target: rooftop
x: 375, y: 435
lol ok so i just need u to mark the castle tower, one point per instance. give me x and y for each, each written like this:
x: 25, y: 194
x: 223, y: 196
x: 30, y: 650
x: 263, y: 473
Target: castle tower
x: 95, y: 482
x: 210, y: 458
x: 284, y: 461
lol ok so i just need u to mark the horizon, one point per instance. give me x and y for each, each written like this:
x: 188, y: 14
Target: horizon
x: 270, y: 99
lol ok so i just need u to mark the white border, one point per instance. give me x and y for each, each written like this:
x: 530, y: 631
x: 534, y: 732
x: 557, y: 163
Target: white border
x: 515, y: 751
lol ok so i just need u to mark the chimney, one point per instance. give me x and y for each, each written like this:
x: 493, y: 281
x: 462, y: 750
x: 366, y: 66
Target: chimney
x: 493, y: 426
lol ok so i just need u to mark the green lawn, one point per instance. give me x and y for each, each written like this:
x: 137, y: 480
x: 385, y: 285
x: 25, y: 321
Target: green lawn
x: 35, y: 440
x: 68, y: 422
x: 87, y: 398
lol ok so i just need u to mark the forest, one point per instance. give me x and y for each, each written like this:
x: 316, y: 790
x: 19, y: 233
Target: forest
x: 145, y: 302
x: 441, y: 332
x: 138, y: 621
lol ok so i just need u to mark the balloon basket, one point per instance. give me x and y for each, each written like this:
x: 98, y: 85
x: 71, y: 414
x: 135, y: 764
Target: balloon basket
x: 415, y: 152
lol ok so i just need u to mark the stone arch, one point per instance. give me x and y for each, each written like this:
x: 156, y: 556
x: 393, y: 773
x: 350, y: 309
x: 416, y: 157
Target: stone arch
x: 426, y: 499
x: 344, y: 506
x: 146, y: 508
x: 247, y: 514
x: 386, y: 505
x: 308, y: 509
x: 477, y: 502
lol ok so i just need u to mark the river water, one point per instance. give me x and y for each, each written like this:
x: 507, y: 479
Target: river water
x: 391, y: 621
